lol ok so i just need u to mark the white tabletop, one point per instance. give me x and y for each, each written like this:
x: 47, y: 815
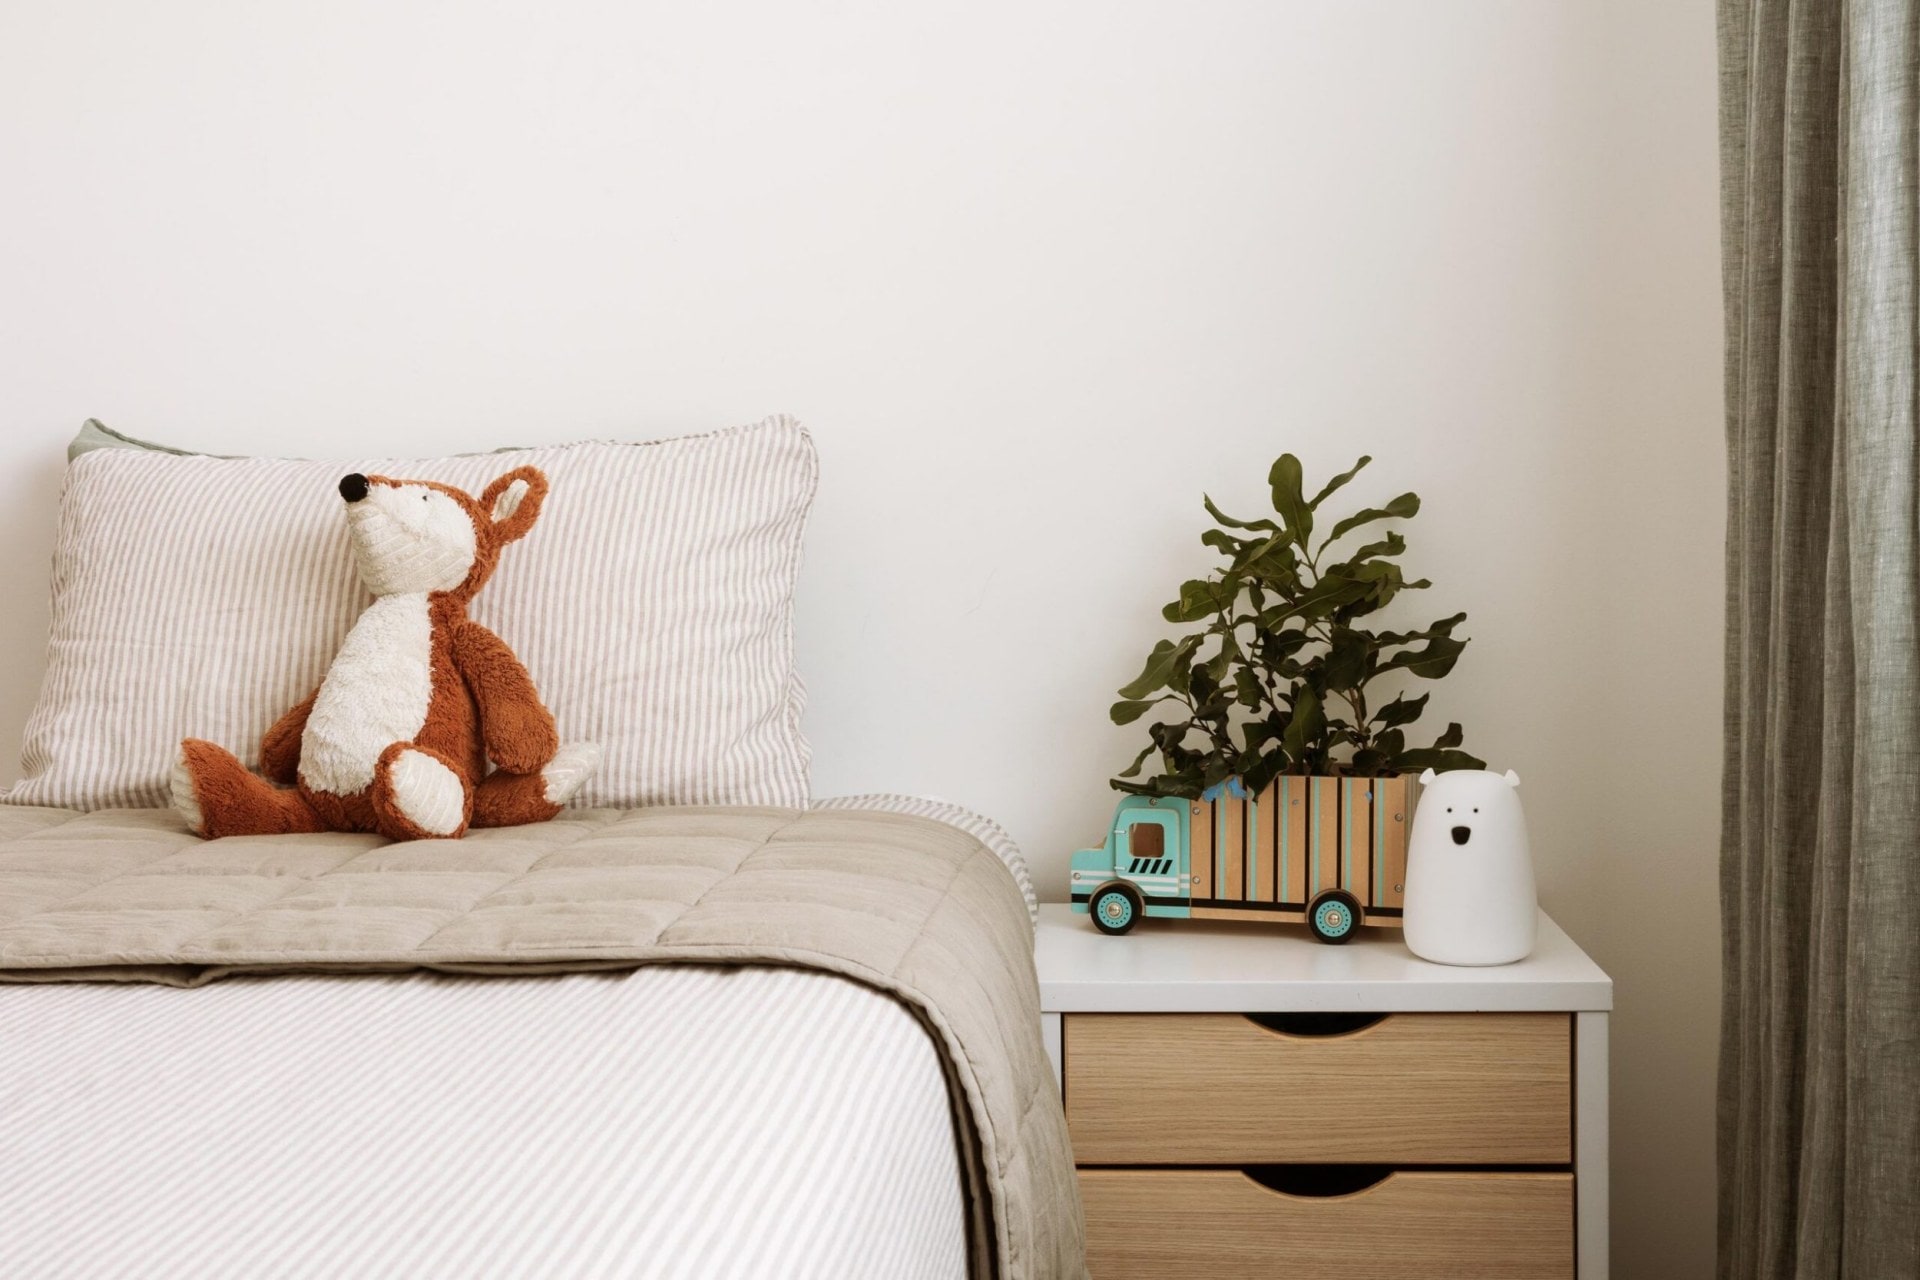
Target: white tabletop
x: 1224, y: 966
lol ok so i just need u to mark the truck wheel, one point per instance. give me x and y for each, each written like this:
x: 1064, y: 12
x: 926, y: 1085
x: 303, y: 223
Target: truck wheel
x: 1115, y: 908
x: 1333, y: 915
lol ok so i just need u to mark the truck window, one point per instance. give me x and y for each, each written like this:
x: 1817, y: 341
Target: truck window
x: 1147, y: 840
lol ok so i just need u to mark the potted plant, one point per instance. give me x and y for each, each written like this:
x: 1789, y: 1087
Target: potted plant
x: 1291, y: 780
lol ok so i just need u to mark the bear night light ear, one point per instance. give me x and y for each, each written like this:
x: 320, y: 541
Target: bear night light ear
x: 1513, y: 779
x: 1426, y: 779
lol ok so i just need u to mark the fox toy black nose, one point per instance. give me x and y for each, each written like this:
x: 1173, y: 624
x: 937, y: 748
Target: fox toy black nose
x: 353, y: 487
x: 1462, y: 834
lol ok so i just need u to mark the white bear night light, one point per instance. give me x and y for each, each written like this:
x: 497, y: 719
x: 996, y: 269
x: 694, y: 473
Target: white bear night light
x: 1470, y: 896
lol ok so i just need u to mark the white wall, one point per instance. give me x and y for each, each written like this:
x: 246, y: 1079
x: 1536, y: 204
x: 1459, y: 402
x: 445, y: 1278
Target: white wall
x: 1037, y: 275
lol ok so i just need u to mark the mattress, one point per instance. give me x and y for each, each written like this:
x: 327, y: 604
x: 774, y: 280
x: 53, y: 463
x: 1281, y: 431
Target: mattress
x: 670, y: 1121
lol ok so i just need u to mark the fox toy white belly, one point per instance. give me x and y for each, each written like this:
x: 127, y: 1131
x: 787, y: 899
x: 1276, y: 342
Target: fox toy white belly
x: 376, y: 693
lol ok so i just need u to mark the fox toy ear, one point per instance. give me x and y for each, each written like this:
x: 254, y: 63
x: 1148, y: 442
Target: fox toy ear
x: 513, y: 502
x: 509, y: 500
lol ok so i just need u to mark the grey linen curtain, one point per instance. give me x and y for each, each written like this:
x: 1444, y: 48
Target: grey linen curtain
x: 1819, y: 1106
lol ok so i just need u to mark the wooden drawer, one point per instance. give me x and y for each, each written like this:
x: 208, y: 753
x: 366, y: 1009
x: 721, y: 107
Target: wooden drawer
x: 1411, y: 1088
x: 1220, y: 1224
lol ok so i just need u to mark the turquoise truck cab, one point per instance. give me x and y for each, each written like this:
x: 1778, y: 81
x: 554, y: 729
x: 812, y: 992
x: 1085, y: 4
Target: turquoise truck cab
x: 1143, y: 869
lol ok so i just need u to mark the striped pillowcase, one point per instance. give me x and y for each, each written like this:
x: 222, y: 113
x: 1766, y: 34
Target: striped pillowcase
x: 197, y: 596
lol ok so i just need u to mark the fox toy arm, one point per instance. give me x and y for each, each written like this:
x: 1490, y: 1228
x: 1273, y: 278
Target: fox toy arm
x: 280, y: 749
x: 515, y: 725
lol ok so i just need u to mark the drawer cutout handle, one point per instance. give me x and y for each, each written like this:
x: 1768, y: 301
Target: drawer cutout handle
x: 1315, y: 1025
x: 1318, y: 1181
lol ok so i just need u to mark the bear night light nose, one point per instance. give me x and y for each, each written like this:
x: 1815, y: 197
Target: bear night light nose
x: 353, y: 487
x: 1462, y: 834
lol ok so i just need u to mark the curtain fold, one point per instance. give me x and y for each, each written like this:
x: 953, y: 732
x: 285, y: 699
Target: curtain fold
x: 1819, y: 1106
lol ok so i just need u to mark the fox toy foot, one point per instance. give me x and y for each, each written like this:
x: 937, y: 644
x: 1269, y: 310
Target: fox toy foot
x: 219, y: 796
x: 419, y: 795
x: 568, y: 771
x: 513, y: 799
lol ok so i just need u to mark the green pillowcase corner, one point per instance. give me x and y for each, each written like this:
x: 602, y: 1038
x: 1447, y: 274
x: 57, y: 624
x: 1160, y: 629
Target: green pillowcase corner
x: 95, y: 434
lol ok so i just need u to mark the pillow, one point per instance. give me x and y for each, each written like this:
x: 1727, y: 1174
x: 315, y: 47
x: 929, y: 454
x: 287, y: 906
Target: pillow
x: 199, y: 596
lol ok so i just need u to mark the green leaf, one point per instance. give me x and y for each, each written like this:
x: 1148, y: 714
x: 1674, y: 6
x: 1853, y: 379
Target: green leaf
x: 1402, y: 710
x: 1154, y: 675
x: 1184, y: 784
x: 1318, y: 601
x: 1346, y: 661
x: 1131, y: 710
x: 1444, y: 627
x: 1338, y: 482
x: 1225, y: 543
x: 1305, y: 725
x: 1200, y: 598
x: 1217, y: 770
x: 1287, y: 499
x: 1273, y: 557
x: 1453, y: 737
x: 1258, y: 733
x: 1196, y: 680
x: 1367, y: 762
x: 1138, y: 760
x: 1222, y: 662
x: 1161, y: 664
x: 1404, y: 507
x: 1436, y: 759
x: 1374, y: 571
x: 1392, y: 545
x: 1255, y: 776
x: 1167, y: 736
x: 1271, y: 646
x: 1430, y: 662
x: 1264, y: 526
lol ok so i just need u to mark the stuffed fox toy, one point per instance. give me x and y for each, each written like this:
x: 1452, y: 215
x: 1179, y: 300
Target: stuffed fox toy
x: 397, y: 737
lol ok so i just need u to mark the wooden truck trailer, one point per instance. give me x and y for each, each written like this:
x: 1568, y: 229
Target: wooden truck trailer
x: 1327, y: 852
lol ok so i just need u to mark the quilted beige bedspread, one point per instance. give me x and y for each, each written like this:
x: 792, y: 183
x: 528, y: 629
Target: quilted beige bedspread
x: 910, y: 906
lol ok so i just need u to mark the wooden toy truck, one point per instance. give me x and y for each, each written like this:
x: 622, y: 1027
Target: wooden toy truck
x: 1327, y: 852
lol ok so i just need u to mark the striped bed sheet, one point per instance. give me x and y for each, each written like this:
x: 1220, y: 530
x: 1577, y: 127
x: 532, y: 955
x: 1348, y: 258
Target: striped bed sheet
x: 669, y: 1121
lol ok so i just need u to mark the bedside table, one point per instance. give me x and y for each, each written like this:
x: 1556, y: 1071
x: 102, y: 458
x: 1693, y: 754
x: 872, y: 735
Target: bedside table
x: 1242, y: 1098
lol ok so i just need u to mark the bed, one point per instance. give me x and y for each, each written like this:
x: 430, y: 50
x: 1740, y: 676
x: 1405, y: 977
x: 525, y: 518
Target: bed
x: 595, y: 1049
x: 696, y: 1025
